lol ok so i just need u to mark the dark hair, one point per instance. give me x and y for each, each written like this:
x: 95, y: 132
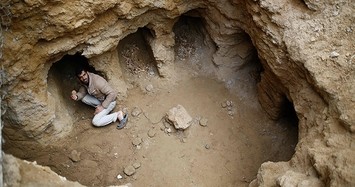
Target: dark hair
x: 79, y: 69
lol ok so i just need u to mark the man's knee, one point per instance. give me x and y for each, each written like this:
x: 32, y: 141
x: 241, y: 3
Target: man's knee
x: 96, y: 122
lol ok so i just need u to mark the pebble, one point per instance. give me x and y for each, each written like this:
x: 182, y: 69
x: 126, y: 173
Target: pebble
x: 334, y: 54
x: 137, y: 165
x: 168, y: 130
x: 74, y: 156
x: 136, y: 112
x: 207, y: 146
x: 119, y: 177
x: 129, y: 170
x: 224, y: 105
x: 203, y: 122
x: 137, y: 141
x: 229, y: 103
x: 149, y: 88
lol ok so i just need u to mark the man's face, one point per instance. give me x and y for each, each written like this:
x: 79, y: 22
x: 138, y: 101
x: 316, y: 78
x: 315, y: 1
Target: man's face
x: 83, y: 77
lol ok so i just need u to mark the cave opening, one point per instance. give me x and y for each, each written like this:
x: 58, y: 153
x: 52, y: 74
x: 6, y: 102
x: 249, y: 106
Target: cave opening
x: 135, y: 54
x: 62, y: 80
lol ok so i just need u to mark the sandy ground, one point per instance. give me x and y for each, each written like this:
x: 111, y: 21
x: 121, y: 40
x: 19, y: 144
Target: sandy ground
x: 228, y: 151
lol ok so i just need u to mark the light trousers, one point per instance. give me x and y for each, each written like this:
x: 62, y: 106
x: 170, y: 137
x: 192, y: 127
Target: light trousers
x: 102, y: 118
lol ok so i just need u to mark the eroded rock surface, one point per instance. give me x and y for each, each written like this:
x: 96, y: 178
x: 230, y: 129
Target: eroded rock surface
x: 306, y: 49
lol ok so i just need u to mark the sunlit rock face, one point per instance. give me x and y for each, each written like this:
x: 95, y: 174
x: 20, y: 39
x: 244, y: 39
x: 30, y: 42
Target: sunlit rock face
x: 306, y: 49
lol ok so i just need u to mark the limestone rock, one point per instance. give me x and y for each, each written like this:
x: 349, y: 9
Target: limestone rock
x: 203, y: 122
x: 137, y: 165
x: 74, y: 156
x: 136, y: 112
x: 179, y: 117
x: 39, y: 175
x: 129, y: 170
x: 137, y: 141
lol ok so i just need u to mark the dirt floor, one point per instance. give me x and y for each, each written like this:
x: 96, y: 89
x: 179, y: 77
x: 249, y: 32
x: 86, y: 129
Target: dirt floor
x: 237, y: 139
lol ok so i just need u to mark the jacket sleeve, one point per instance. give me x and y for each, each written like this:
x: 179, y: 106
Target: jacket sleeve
x: 81, y: 93
x: 106, y: 89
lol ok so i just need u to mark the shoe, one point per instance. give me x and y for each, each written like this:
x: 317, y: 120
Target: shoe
x: 123, y: 122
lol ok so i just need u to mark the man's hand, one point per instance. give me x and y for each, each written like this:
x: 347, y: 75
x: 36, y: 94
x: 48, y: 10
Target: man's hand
x: 98, y: 109
x: 73, y: 95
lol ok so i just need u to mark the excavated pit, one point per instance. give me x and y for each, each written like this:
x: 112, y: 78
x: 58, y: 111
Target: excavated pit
x: 239, y: 135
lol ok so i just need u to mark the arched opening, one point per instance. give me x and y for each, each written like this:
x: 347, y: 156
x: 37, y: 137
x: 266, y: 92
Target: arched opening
x: 135, y: 54
x: 61, y: 81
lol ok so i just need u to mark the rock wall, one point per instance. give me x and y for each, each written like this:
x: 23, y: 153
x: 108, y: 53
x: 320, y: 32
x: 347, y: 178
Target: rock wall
x: 23, y: 173
x: 306, y: 49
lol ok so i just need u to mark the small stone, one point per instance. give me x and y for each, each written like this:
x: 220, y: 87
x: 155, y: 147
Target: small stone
x: 230, y: 113
x: 129, y: 170
x: 137, y: 141
x: 224, y: 105
x: 149, y: 88
x: 229, y: 103
x: 166, y: 124
x: 119, y: 177
x: 151, y: 133
x: 136, y: 112
x: 334, y: 54
x: 74, y: 156
x: 207, y: 146
x: 229, y: 108
x: 168, y: 130
x: 203, y: 122
x: 137, y: 165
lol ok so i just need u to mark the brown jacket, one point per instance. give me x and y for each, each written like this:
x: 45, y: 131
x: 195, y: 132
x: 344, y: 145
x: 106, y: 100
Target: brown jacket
x: 99, y: 88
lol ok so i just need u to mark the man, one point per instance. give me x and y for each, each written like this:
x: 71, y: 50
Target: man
x: 95, y: 91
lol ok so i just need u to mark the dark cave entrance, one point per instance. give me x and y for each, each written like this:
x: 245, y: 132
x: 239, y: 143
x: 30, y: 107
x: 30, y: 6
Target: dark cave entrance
x: 62, y: 80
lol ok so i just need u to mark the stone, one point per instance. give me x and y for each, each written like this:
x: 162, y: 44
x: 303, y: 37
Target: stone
x: 203, y: 122
x: 129, y: 170
x: 179, y: 117
x: 149, y: 88
x: 137, y: 165
x: 334, y: 54
x: 137, y: 141
x: 136, y: 112
x: 224, y: 104
x: 74, y: 156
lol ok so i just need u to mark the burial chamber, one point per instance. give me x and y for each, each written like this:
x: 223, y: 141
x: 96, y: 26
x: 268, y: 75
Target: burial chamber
x: 305, y: 50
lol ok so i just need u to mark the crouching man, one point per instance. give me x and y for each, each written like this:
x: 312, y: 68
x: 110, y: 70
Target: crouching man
x: 96, y: 92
